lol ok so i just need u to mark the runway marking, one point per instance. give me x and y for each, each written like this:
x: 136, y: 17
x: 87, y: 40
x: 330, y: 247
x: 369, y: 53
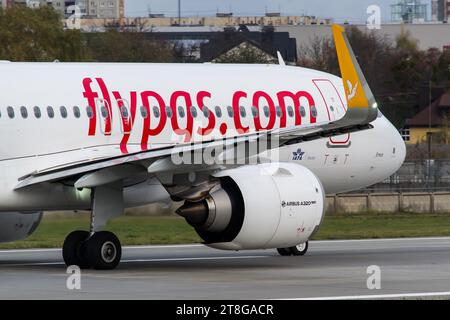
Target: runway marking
x: 380, y: 296
x: 142, y: 260
x: 125, y: 247
x: 198, y: 245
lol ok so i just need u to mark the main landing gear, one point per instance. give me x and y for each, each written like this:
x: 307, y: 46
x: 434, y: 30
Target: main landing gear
x: 97, y: 249
x: 299, y: 250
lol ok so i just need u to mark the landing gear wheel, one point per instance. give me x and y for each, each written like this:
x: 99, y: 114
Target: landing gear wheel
x: 300, y: 249
x: 284, y: 251
x: 103, y: 250
x: 74, y: 248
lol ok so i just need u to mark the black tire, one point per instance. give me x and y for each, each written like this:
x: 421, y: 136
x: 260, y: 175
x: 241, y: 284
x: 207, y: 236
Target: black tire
x: 299, y: 250
x: 284, y: 252
x: 74, y: 248
x: 103, y: 250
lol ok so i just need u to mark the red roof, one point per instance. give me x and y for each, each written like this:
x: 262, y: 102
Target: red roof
x: 433, y: 114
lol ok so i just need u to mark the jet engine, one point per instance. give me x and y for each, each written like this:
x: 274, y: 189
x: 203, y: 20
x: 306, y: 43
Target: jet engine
x: 277, y: 205
x: 17, y: 226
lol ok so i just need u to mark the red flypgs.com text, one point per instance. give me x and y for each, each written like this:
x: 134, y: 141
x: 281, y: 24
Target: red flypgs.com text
x: 153, y: 126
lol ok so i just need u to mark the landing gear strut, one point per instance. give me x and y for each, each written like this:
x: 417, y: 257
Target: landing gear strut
x: 299, y: 250
x: 97, y: 249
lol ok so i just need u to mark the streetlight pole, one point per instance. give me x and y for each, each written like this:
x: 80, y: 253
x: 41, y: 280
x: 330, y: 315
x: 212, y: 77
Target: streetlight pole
x: 179, y: 12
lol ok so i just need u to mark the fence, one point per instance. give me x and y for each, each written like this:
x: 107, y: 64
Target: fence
x: 419, y: 175
x: 419, y: 202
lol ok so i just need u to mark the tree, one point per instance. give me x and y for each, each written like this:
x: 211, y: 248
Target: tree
x: 37, y: 35
x: 397, y: 71
x: 127, y: 46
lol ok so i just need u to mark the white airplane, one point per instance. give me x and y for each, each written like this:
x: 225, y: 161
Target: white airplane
x: 251, y: 150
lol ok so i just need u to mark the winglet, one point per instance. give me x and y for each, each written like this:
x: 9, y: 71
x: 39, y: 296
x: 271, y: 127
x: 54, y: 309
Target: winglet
x: 359, y: 95
x: 280, y: 59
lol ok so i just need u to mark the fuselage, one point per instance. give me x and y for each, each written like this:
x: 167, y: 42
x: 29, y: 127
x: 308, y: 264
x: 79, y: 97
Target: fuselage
x: 60, y: 114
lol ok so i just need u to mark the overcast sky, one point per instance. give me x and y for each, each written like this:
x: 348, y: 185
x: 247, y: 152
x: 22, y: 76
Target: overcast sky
x: 340, y: 10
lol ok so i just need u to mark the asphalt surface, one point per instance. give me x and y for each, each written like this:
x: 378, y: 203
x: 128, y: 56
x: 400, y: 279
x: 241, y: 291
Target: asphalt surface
x: 331, y: 269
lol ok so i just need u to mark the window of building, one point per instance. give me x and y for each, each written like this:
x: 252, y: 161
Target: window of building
x: 406, y: 134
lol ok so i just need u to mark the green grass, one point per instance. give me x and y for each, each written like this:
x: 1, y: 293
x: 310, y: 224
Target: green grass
x: 137, y: 230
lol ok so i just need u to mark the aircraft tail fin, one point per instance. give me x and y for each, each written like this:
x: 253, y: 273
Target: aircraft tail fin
x: 360, y: 99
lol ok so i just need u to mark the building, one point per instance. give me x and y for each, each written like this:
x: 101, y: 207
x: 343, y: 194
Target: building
x: 434, y: 119
x: 409, y: 11
x: 440, y: 10
x: 220, y: 20
x: 429, y: 35
x: 102, y: 9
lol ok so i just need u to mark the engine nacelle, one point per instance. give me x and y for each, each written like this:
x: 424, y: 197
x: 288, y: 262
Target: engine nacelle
x: 259, y: 207
x: 16, y: 226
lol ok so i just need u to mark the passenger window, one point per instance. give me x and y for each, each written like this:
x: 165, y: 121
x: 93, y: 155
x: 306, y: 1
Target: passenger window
x: 194, y: 112
x: 242, y: 112
x: 169, y: 111
x: 144, y: 112
x: 279, y: 113
x: 314, y: 111
x: 181, y: 112
x: 76, y: 112
x: 63, y: 111
x: 104, y: 112
x: 89, y: 112
x: 50, y: 112
x: 230, y: 111
x: 302, y: 112
x: 290, y: 111
x: 10, y: 111
x: 206, y: 112
x: 332, y: 108
x: 24, y: 112
x: 266, y: 111
x: 254, y: 111
x: 156, y: 112
x: 37, y: 112
x: 218, y: 112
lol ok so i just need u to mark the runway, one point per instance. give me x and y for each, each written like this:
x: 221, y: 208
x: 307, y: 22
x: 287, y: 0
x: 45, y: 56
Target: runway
x: 410, y: 268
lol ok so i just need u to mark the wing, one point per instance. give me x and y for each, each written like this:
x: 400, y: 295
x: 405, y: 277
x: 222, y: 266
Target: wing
x: 362, y: 110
